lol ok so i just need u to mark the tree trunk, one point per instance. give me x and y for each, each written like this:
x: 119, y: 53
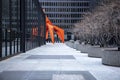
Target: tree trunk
x: 101, y: 45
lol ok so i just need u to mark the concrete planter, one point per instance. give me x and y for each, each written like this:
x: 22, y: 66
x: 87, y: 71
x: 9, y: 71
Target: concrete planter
x: 82, y: 48
x: 70, y: 44
x: 95, y: 51
x: 111, y: 57
x: 75, y: 45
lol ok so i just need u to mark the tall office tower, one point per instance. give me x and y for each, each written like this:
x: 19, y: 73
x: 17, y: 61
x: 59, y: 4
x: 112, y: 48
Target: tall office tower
x: 64, y: 13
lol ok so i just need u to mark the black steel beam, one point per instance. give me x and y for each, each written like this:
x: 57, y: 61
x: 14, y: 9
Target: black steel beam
x: 18, y: 24
x: 10, y: 25
x: 0, y: 28
x: 22, y: 25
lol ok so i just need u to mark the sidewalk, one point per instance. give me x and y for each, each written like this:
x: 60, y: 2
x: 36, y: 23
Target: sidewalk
x: 56, y: 62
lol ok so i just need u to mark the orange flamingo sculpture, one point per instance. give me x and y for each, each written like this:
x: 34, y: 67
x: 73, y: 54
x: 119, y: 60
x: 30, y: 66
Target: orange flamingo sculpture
x: 51, y: 29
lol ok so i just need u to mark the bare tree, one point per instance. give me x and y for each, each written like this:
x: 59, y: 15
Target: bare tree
x: 101, y: 26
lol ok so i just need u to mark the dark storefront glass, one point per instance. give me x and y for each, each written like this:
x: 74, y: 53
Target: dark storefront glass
x: 10, y: 27
x: 34, y: 28
x: 22, y: 26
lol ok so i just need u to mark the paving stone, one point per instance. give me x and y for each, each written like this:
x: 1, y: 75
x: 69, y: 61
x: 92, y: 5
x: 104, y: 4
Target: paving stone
x: 68, y: 77
x: 46, y: 75
x: 14, y: 75
x: 50, y: 57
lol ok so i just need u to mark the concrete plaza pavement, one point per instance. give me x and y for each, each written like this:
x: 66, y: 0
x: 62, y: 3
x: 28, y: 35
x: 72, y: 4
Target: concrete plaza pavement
x: 63, y: 62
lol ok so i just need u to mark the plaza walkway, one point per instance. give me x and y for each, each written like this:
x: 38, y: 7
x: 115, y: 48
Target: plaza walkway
x: 56, y: 62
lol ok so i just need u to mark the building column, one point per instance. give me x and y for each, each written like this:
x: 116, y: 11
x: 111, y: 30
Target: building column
x: 22, y: 25
x: 0, y: 28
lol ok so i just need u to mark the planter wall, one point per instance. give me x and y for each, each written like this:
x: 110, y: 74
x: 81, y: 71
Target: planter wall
x: 83, y: 48
x: 95, y: 51
x: 70, y: 44
x: 111, y: 57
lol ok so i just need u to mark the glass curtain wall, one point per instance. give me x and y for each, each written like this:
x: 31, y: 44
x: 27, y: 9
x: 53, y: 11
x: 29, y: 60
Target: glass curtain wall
x: 10, y: 27
x: 34, y: 26
x: 22, y: 26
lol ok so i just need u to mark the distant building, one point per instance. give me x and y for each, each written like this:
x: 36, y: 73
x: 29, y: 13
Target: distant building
x: 64, y: 13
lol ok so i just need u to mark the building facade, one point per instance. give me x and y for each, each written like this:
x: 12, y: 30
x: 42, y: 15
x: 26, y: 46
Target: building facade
x: 22, y: 26
x: 64, y: 13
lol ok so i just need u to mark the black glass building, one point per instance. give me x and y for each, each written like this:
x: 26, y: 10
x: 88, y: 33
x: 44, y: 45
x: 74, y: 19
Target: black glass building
x: 64, y: 13
x: 22, y: 26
